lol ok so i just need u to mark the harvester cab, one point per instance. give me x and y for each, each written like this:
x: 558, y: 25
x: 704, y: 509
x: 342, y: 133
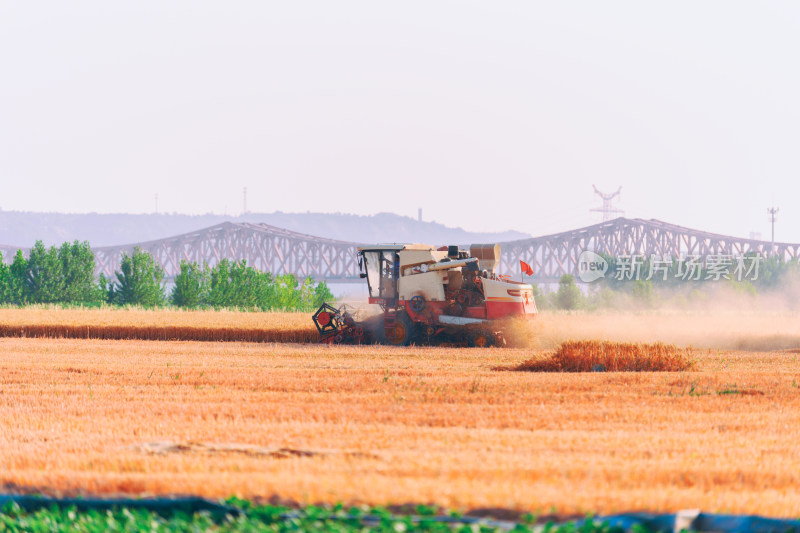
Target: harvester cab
x: 380, y: 265
x: 434, y: 295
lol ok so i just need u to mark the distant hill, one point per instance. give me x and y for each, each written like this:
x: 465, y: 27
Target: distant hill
x: 24, y: 228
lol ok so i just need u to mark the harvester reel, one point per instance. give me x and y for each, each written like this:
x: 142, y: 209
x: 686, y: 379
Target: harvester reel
x: 326, y: 319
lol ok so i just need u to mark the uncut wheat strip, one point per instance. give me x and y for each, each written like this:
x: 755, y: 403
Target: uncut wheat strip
x: 112, y: 316
x: 163, y: 333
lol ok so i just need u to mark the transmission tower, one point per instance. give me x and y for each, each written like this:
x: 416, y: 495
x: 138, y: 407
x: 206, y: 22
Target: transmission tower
x: 608, y: 210
x: 772, y: 211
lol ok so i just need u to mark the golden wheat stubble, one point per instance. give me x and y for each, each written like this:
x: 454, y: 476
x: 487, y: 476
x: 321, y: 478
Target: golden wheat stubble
x: 383, y: 425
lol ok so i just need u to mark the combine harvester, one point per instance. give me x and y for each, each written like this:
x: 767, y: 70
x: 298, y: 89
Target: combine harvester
x: 430, y: 296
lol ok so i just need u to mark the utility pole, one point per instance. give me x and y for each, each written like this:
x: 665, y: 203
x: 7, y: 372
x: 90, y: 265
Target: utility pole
x: 607, y: 208
x: 772, y: 211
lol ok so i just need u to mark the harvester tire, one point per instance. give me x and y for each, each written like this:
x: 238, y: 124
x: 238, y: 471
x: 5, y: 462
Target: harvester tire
x: 480, y: 338
x: 402, y: 333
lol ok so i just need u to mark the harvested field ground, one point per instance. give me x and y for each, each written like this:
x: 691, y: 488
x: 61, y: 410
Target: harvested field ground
x: 392, y: 425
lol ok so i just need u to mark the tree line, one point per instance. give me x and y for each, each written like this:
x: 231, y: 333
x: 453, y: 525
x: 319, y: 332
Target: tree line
x: 65, y: 275
x: 771, y: 275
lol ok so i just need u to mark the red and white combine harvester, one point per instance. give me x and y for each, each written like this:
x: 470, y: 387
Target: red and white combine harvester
x: 430, y: 296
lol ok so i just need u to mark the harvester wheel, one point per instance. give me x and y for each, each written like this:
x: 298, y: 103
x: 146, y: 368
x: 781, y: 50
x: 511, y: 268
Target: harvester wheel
x: 481, y: 338
x: 401, y: 333
x: 417, y: 303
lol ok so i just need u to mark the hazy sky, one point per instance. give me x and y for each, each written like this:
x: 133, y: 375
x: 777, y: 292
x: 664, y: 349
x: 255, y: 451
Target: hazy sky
x: 489, y: 116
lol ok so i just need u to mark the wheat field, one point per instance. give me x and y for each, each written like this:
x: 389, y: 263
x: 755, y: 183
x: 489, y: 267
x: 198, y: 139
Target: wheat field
x: 737, y: 328
x: 156, y: 324
x: 385, y: 425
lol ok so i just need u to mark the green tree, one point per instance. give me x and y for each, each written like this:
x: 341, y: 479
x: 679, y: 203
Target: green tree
x: 221, y: 289
x: 51, y: 275
x: 56, y: 275
x: 540, y: 297
x: 77, y: 271
x: 321, y: 294
x: 6, y: 282
x: 191, y: 286
x: 139, y: 281
x: 643, y: 293
x: 603, y: 297
x: 234, y: 284
x: 105, y: 287
x: 44, y: 277
x: 569, y: 296
x: 17, y: 274
x: 313, y: 294
x: 287, y: 293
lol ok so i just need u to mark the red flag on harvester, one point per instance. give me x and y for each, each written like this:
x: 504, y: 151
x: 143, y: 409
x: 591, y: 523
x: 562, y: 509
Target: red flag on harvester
x: 526, y: 268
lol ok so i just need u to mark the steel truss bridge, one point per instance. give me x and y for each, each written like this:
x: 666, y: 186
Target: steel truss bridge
x: 281, y: 251
x: 262, y: 246
x: 554, y: 255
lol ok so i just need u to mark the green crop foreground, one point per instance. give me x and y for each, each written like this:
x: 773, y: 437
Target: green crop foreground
x: 255, y: 518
